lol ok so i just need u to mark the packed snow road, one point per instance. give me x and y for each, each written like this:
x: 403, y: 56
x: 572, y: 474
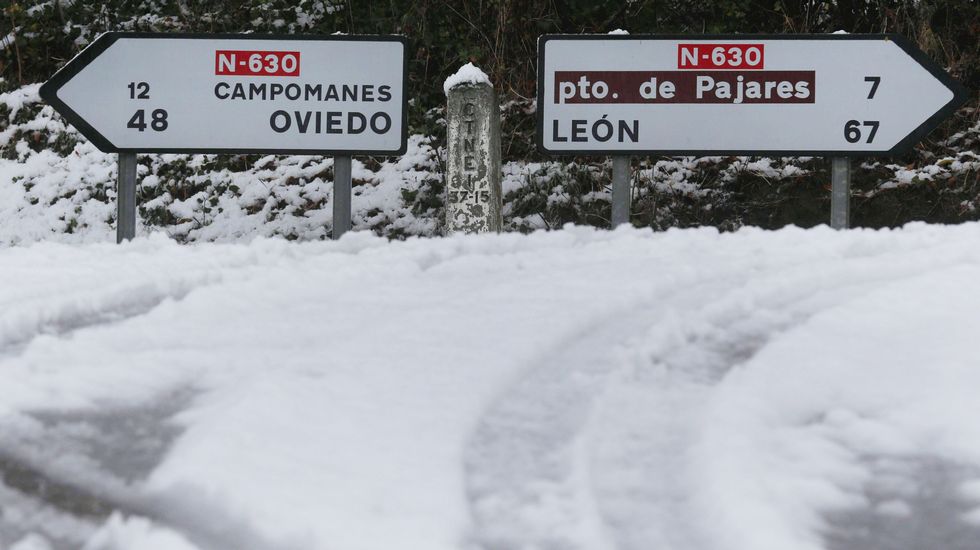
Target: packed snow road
x: 579, y: 389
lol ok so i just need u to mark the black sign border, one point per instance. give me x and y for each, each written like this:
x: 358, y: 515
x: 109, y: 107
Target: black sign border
x: 49, y: 91
x: 960, y: 96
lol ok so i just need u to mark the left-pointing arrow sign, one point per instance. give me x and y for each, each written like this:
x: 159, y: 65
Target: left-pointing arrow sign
x: 189, y: 93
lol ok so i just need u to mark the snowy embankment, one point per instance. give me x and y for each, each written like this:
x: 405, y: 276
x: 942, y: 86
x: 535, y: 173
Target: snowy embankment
x: 578, y: 389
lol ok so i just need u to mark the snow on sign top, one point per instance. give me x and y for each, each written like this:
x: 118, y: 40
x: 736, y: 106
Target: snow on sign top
x: 467, y: 74
x: 220, y: 93
x: 828, y: 94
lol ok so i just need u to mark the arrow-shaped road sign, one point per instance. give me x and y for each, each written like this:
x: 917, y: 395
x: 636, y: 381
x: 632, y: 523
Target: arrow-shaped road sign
x: 188, y: 93
x: 826, y: 95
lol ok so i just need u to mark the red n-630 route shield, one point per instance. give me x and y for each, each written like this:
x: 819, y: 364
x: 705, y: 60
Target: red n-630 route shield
x: 827, y: 95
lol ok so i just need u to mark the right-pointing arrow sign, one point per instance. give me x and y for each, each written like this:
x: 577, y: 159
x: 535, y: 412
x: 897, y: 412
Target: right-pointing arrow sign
x: 828, y: 95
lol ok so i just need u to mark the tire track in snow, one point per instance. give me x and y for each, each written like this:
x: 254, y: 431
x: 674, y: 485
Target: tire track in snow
x: 649, y: 418
x: 533, y: 463
x: 646, y: 464
x: 590, y: 449
x: 20, y: 326
x: 204, y: 524
x: 111, y: 288
x: 914, y: 503
x: 33, y: 503
x: 527, y: 477
x: 80, y: 468
x: 35, y: 482
x: 528, y: 464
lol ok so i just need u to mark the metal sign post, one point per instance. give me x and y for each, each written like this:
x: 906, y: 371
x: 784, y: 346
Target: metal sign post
x: 840, y: 192
x: 126, y: 198
x: 620, y: 190
x: 341, y: 196
x: 216, y: 93
x: 837, y: 95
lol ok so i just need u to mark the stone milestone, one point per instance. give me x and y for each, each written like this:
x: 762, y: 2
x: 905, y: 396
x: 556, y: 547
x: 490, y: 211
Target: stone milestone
x: 473, y: 195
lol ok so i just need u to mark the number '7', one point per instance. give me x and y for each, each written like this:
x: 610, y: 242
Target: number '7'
x: 875, y: 81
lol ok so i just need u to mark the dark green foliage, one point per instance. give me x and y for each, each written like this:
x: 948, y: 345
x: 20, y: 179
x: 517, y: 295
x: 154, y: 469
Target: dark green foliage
x: 499, y: 35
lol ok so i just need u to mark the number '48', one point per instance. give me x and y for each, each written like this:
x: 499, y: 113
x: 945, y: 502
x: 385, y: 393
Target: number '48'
x: 158, y: 120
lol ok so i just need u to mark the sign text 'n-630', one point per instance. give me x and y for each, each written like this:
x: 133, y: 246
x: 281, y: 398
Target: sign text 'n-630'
x: 743, y: 94
x: 152, y: 92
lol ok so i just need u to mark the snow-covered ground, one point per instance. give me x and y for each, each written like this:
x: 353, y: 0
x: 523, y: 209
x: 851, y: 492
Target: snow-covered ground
x: 576, y: 389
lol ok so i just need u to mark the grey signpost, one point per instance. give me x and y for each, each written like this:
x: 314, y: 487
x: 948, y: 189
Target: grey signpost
x: 621, y: 190
x: 840, y: 192
x: 126, y: 198
x: 341, y: 196
x: 135, y: 93
x: 838, y: 96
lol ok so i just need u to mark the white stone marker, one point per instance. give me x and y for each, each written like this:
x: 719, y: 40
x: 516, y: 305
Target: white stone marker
x: 473, y: 196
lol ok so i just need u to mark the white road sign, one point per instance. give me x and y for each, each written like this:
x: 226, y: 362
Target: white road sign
x: 834, y: 94
x: 152, y: 92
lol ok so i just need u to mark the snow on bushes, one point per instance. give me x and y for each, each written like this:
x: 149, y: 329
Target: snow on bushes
x: 55, y: 185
